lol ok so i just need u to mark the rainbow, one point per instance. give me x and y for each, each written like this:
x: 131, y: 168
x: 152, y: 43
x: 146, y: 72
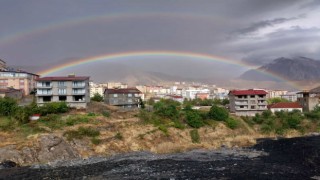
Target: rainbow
x: 105, y: 18
x: 166, y: 54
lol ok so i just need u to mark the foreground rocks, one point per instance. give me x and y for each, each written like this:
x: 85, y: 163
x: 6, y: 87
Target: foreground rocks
x: 48, y: 148
x: 296, y: 158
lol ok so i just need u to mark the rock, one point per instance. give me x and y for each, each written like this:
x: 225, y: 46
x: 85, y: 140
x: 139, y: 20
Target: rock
x: 7, y: 164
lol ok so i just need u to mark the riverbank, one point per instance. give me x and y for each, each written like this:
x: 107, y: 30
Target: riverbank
x: 293, y: 158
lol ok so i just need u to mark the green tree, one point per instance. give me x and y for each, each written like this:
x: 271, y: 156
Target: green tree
x: 194, y: 119
x: 218, y: 113
x: 8, y: 106
x: 97, y: 97
x: 276, y: 100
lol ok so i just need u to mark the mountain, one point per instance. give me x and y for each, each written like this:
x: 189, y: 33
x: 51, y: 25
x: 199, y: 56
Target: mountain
x: 294, y: 69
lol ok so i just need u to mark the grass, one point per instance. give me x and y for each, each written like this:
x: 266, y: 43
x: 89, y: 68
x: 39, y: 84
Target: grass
x: 164, y: 129
x: 232, y: 123
x: 81, y: 133
x: 6, y: 124
x: 195, y: 137
x: 106, y: 114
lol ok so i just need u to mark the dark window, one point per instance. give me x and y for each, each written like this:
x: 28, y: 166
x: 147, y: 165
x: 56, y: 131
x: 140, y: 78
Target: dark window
x: 46, y: 99
x: 252, y: 96
x: 78, y: 98
x: 62, y: 98
x: 252, y: 107
x: 241, y: 106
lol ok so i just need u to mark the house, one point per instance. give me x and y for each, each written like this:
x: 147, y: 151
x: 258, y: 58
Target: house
x: 275, y: 93
x: 96, y: 88
x: 74, y: 90
x: 290, y: 96
x: 202, y: 96
x: 191, y: 93
x: 285, y: 106
x: 16, y: 79
x: 177, y: 98
x: 12, y: 93
x: 247, y: 102
x: 309, y: 99
x: 126, y: 98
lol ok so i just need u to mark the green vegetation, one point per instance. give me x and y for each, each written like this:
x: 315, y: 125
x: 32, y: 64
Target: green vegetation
x: 218, y: 113
x: 206, y: 102
x: 195, y: 137
x: 81, y: 133
x: 276, y: 100
x: 232, y: 123
x: 106, y: 114
x: 118, y: 136
x: 97, y: 97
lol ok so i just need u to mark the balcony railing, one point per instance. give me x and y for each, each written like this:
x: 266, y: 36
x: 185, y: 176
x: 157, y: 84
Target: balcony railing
x: 44, y: 86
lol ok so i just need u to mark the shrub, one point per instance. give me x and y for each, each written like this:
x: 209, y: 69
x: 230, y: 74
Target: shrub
x: 6, y: 124
x: 8, y: 106
x: 218, y: 113
x: 95, y: 141
x: 81, y: 132
x: 97, y: 97
x: 106, y: 114
x: 22, y: 115
x: 195, y: 137
x: 194, y: 119
x: 164, y: 129
x: 54, y: 108
x: 91, y: 114
x: 167, y: 108
x: 232, y: 123
x: 118, y: 136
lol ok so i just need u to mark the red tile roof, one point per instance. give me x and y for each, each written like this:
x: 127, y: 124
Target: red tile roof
x: 64, y: 78
x: 122, y: 91
x: 285, y: 105
x: 175, y: 96
x: 248, y: 92
x: 8, y: 90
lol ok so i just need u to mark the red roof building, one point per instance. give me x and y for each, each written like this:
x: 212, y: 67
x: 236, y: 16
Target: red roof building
x: 248, y: 92
x: 285, y: 106
x: 64, y: 78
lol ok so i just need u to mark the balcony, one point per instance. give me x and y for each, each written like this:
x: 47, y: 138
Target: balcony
x: 44, y: 94
x: 78, y: 92
x: 241, y: 103
x: 44, y: 86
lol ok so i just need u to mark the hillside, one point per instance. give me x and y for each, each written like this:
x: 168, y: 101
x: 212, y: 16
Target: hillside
x: 294, y: 69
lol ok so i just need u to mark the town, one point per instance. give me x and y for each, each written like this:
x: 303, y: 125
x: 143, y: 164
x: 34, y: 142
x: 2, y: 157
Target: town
x: 77, y: 91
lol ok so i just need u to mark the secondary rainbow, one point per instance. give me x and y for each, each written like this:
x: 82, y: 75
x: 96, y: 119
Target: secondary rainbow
x: 145, y: 54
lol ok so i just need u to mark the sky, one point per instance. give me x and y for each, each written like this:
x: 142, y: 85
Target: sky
x: 44, y: 33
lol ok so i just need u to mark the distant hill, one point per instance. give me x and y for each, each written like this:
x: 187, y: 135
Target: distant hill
x: 294, y: 69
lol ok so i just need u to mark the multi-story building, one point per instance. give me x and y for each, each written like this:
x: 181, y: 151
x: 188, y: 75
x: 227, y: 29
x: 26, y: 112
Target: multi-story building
x: 247, y: 102
x: 126, y: 98
x: 113, y: 85
x: 18, y: 80
x: 3, y: 65
x: 74, y: 90
x: 96, y: 88
x: 309, y: 99
x: 276, y: 93
x: 12, y: 93
x: 290, y: 96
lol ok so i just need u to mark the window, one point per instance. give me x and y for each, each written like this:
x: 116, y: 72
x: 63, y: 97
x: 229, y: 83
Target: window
x: 241, y: 107
x: 61, y: 83
x: 252, y: 101
x: 115, y: 95
x: 253, y: 107
x: 129, y: 95
x: 62, y: 98
x: 129, y: 100
x: 252, y: 96
x: 46, y: 99
x: 62, y: 91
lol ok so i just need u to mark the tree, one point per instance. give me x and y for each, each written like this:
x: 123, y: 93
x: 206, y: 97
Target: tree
x: 194, y: 119
x: 276, y: 100
x: 97, y: 97
x: 218, y: 113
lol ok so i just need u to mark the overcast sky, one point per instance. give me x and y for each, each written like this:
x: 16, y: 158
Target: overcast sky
x: 46, y: 32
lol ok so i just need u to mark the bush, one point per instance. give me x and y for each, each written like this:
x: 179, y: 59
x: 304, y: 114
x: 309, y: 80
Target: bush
x: 118, y: 136
x: 164, y: 129
x: 22, y: 115
x: 232, y: 123
x: 91, y: 114
x: 195, y: 137
x: 54, y: 108
x: 106, y: 114
x: 218, y: 113
x: 167, y: 108
x: 97, y: 97
x: 8, y: 106
x: 194, y: 119
x: 95, y: 141
x: 6, y: 124
x: 81, y: 132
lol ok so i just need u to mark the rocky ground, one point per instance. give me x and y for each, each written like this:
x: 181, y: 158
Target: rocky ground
x: 295, y: 158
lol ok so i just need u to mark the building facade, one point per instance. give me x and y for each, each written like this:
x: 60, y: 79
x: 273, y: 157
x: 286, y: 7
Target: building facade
x: 11, y: 93
x: 309, y: 99
x: 74, y: 90
x: 247, y: 102
x: 18, y: 80
x: 125, y: 98
x: 285, y: 106
x: 96, y: 88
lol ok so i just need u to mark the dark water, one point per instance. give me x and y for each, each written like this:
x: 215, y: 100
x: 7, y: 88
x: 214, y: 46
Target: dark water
x: 296, y: 158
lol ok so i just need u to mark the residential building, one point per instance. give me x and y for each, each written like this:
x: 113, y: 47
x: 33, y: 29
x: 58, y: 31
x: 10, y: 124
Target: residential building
x: 114, y: 85
x: 247, y: 102
x: 276, y: 93
x: 175, y: 98
x: 191, y: 93
x: 96, y: 88
x: 125, y: 98
x: 202, y: 96
x: 290, y: 96
x: 3, y: 65
x: 285, y: 106
x: 74, y: 90
x: 309, y: 99
x: 12, y: 93
x: 18, y: 79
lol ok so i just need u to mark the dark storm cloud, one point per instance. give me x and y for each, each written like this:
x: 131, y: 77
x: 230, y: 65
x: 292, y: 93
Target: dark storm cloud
x: 311, y: 5
x: 266, y: 23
